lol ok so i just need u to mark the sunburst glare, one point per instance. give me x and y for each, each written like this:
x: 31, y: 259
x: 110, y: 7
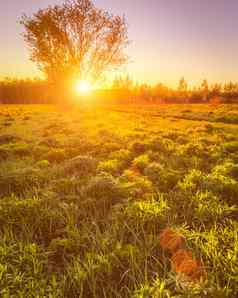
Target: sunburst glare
x: 83, y: 87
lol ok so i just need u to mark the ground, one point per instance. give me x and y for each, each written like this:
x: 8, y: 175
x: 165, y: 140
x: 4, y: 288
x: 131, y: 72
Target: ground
x: 85, y: 194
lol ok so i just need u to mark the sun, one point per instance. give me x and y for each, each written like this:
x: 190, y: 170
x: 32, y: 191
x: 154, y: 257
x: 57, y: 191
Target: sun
x: 83, y: 87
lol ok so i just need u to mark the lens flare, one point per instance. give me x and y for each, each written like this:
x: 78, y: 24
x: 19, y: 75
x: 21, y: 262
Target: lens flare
x: 83, y: 87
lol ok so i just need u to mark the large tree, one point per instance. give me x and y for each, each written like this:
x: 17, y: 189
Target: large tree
x: 75, y: 40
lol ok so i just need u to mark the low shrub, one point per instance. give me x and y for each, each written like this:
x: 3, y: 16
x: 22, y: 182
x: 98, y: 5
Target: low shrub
x: 24, y: 271
x: 49, y: 142
x: 88, y: 276
x: 14, y: 150
x: 157, y: 144
x: 139, y: 148
x: 112, y: 166
x: 227, y: 169
x: 231, y: 147
x: 148, y: 211
x: 159, y: 288
x: 104, y: 190
x: 141, y: 162
x: 55, y: 155
x: 81, y: 165
x: 22, y: 217
x: 210, y: 210
x: 20, y: 180
x: 164, y: 179
x: 136, y: 186
x: 222, y: 185
x: 154, y: 170
x: 62, y: 251
x: 192, y: 181
x: 123, y: 155
x: 218, y: 248
x: 7, y: 138
x: 64, y: 187
x: 43, y: 164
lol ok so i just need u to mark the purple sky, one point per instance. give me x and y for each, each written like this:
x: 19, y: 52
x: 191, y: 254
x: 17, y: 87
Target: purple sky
x: 170, y: 38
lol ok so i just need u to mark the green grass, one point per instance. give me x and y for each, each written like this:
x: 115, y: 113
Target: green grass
x: 85, y: 193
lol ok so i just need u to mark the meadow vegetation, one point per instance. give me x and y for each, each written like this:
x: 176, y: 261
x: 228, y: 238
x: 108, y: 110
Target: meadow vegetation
x: 86, y: 193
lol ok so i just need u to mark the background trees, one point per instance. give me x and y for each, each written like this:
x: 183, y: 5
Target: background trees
x: 24, y: 91
x: 122, y: 90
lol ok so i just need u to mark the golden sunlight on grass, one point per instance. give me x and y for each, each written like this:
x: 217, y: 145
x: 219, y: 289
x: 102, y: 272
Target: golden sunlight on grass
x: 83, y: 87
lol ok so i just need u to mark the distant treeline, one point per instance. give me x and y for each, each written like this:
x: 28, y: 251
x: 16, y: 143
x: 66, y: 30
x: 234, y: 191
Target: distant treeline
x: 27, y: 91
x: 123, y: 90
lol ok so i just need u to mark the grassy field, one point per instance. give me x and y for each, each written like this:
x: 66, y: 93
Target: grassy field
x: 86, y: 193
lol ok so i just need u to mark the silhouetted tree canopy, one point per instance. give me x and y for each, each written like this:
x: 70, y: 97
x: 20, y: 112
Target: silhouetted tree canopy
x: 75, y: 39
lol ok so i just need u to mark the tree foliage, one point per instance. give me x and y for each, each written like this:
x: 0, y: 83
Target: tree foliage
x: 75, y: 39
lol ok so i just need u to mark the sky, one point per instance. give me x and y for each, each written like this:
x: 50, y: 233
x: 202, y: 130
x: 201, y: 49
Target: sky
x: 170, y: 39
